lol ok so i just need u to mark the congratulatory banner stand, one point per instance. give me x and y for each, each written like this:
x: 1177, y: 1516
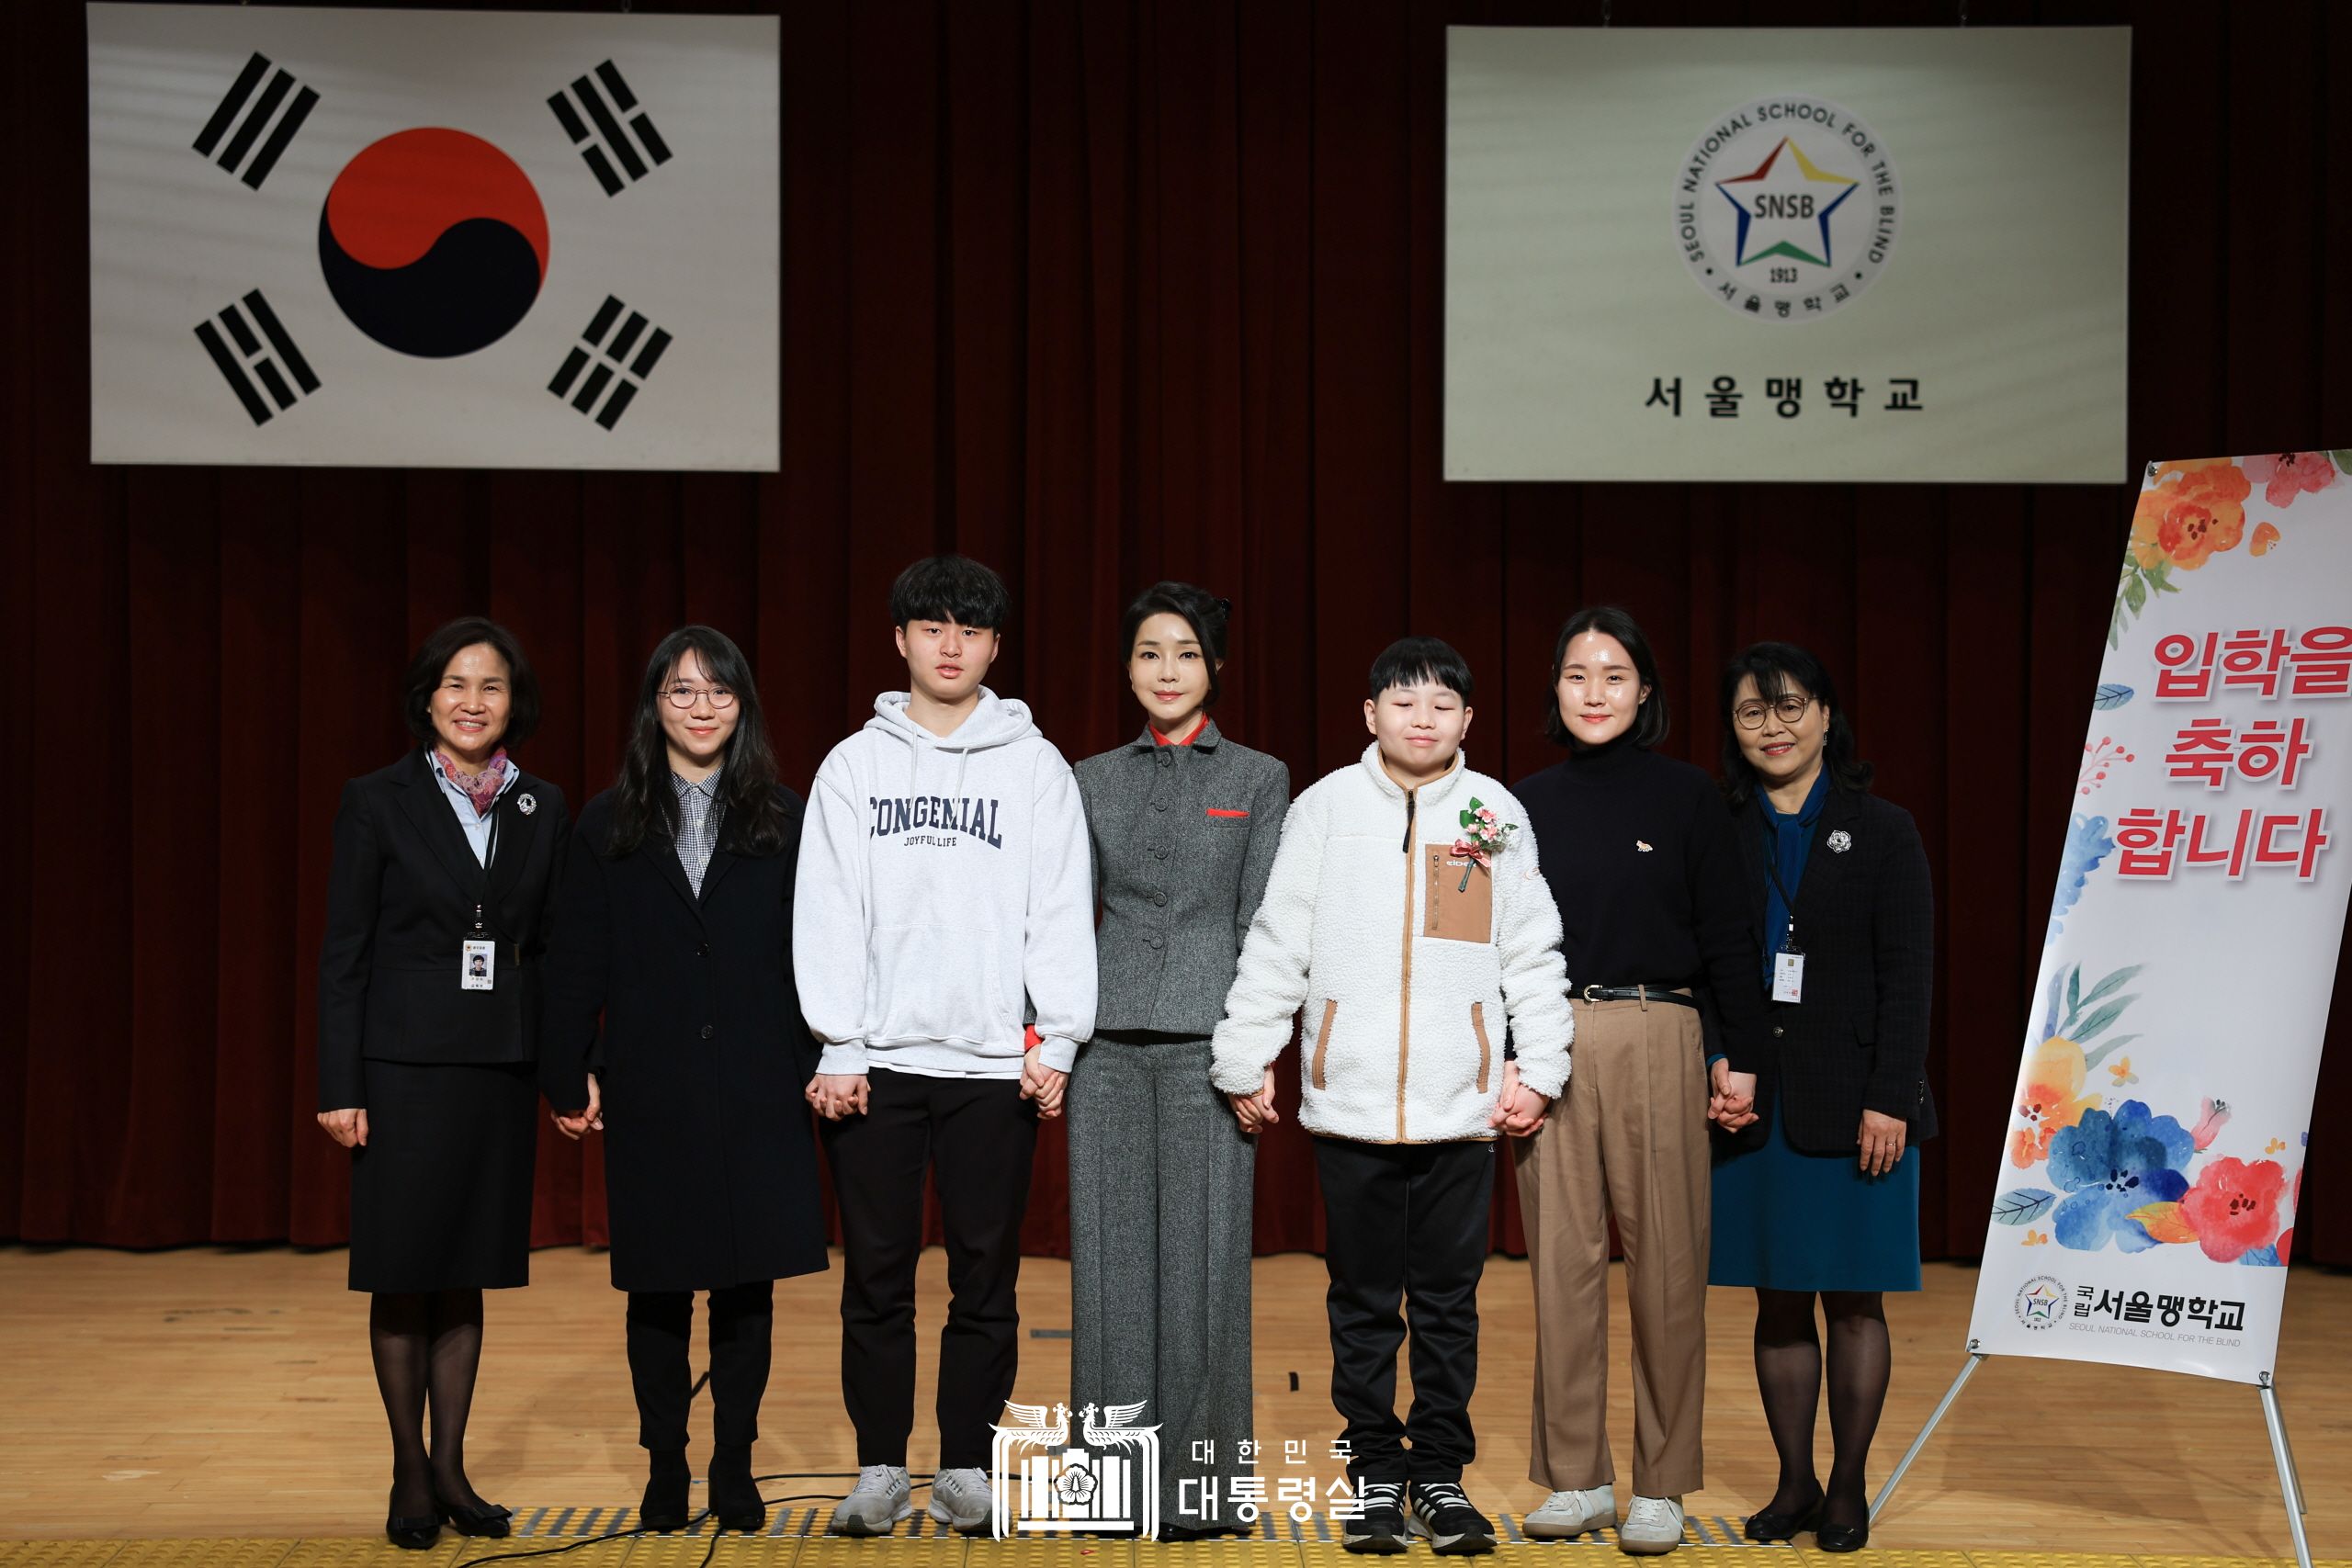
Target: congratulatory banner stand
x: 2154, y: 1160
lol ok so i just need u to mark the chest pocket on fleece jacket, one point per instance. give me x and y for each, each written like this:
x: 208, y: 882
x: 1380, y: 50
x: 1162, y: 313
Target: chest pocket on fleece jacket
x: 1452, y: 909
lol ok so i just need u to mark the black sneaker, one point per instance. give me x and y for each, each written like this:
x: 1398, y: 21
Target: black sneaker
x: 1382, y: 1529
x: 1455, y: 1529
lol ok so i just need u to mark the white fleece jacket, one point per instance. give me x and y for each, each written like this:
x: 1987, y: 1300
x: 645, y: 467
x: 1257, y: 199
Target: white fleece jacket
x: 1405, y: 976
x: 945, y: 888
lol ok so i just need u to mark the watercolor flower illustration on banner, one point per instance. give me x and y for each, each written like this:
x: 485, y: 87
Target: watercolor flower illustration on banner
x: 2051, y: 1096
x: 2088, y: 842
x: 2189, y: 513
x: 2283, y: 475
x: 2130, y: 1177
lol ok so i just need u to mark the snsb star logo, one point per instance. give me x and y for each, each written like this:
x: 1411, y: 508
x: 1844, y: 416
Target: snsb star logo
x: 2041, y: 1303
x: 1786, y: 208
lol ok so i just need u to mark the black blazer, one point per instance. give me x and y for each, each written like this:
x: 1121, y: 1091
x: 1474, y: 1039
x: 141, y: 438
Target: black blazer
x: 1866, y: 920
x: 710, y: 1168
x: 401, y: 899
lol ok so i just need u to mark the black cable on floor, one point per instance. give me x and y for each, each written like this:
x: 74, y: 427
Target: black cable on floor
x: 627, y: 1534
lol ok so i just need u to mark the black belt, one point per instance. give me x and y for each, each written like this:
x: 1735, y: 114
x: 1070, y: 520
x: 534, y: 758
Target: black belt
x: 1632, y: 994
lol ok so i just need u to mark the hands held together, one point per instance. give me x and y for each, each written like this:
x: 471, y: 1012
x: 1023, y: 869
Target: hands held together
x: 836, y: 1095
x: 1730, y: 1098
x: 1518, y: 1112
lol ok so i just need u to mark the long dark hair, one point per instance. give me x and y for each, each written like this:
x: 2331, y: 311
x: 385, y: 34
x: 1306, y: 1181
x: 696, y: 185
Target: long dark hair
x: 1196, y: 608
x: 1651, y: 719
x: 1777, y: 666
x: 646, y: 805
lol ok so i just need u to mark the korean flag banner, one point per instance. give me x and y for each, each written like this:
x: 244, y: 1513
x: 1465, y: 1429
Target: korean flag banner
x: 433, y: 239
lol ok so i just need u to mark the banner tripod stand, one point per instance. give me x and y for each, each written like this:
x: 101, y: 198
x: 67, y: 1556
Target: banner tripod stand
x: 2290, y: 1478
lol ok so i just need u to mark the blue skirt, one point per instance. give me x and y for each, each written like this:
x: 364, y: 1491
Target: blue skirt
x: 1785, y: 1220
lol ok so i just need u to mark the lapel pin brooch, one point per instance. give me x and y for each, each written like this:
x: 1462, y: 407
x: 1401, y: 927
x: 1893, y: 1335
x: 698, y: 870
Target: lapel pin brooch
x: 1840, y: 842
x: 527, y: 804
x: 1642, y: 845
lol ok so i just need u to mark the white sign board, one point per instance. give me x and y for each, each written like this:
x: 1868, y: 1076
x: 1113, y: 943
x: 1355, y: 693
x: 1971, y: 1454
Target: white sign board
x: 1794, y: 253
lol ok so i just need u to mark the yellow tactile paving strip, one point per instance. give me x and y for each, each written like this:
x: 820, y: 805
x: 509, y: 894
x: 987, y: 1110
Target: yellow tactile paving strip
x: 789, y: 1549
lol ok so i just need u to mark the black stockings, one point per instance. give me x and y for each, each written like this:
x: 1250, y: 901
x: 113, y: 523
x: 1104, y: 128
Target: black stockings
x: 428, y: 1346
x: 1787, y: 1373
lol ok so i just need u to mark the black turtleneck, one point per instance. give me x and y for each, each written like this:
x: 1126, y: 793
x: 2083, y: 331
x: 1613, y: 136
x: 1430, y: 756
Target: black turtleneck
x: 1639, y: 852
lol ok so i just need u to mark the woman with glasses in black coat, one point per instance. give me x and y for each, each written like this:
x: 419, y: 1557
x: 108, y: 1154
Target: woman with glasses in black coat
x: 676, y: 927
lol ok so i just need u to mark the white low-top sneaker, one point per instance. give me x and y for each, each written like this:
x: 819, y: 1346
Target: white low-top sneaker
x: 961, y: 1499
x: 881, y: 1499
x: 1652, y: 1527
x: 1566, y: 1514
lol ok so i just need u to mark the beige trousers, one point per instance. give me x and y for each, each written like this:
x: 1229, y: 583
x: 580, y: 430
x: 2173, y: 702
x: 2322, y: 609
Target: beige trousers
x: 1628, y: 1139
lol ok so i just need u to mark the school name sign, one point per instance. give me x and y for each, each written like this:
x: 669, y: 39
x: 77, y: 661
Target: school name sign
x: 1902, y: 254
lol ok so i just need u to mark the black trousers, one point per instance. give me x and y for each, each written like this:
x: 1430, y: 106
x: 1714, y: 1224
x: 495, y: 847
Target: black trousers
x: 1405, y: 1223
x: 980, y: 1135
x: 742, y: 1320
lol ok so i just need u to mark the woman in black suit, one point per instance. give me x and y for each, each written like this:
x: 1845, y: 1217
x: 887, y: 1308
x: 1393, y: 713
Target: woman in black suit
x: 437, y: 917
x: 1821, y: 1196
x: 676, y: 925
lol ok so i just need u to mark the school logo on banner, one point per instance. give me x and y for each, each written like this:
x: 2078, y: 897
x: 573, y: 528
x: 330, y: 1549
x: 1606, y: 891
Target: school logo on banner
x: 433, y: 238
x: 1786, y: 208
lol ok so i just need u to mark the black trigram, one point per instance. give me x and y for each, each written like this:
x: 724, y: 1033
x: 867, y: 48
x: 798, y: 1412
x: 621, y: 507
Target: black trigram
x: 249, y: 128
x: 245, y: 358
x: 607, y: 136
x: 614, y: 366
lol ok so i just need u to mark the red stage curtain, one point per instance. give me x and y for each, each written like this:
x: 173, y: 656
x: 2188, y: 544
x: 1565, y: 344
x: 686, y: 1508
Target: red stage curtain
x: 1098, y: 293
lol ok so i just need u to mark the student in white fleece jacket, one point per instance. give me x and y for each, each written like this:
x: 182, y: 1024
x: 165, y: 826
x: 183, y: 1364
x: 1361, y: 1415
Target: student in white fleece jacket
x: 944, y: 899
x: 1410, y: 959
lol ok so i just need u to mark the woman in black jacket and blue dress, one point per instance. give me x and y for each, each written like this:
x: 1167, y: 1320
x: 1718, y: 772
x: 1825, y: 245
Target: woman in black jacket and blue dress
x: 1184, y: 823
x: 1820, y: 1197
x: 675, y: 926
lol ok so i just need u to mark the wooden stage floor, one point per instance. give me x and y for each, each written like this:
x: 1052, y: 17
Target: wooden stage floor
x: 225, y: 1396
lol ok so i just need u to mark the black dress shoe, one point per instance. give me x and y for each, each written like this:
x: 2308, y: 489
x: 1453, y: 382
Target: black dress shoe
x: 1842, y: 1538
x: 663, y: 1506
x: 1767, y: 1525
x: 734, y: 1497
x: 487, y: 1520
x: 413, y: 1535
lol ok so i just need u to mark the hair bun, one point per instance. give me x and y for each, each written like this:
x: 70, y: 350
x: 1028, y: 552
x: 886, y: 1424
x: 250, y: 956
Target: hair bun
x: 1225, y: 606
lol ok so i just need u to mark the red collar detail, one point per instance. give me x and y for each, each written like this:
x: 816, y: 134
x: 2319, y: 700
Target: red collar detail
x: 1185, y: 739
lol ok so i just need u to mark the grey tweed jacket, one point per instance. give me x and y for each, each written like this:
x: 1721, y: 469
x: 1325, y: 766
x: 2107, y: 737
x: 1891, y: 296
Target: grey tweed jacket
x: 1184, y: 840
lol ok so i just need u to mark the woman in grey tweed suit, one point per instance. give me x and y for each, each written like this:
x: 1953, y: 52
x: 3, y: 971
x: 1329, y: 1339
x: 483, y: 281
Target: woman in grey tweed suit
x: 1184, y: 824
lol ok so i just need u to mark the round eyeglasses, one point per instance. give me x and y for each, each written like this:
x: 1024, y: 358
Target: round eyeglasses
x: 682, y: 695
x: 1789, y: 708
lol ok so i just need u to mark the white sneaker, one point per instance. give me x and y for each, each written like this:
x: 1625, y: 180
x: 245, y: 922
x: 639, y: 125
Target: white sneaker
x: 881, y: 1499
x: 961, y: 1499
x: 1566, y: 1514
x: 1652, y: 1527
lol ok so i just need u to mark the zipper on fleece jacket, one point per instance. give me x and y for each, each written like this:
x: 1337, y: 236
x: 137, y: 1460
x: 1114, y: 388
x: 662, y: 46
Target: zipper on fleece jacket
x: 1405, y: 984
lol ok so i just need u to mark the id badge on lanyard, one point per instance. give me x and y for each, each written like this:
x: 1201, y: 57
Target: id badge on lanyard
x: 1788, y: 963
x: 1788, y: 969
x: 478, y: 953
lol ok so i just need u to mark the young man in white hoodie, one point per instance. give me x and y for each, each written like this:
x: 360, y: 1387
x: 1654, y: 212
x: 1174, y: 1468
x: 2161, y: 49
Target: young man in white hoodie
x: 1407, y: 914
x: 944, y: 900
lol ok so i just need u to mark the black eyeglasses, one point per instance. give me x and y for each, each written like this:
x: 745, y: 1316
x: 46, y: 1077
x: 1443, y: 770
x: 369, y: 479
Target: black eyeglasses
x: 682, y: 695
x: 1790, y: 709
